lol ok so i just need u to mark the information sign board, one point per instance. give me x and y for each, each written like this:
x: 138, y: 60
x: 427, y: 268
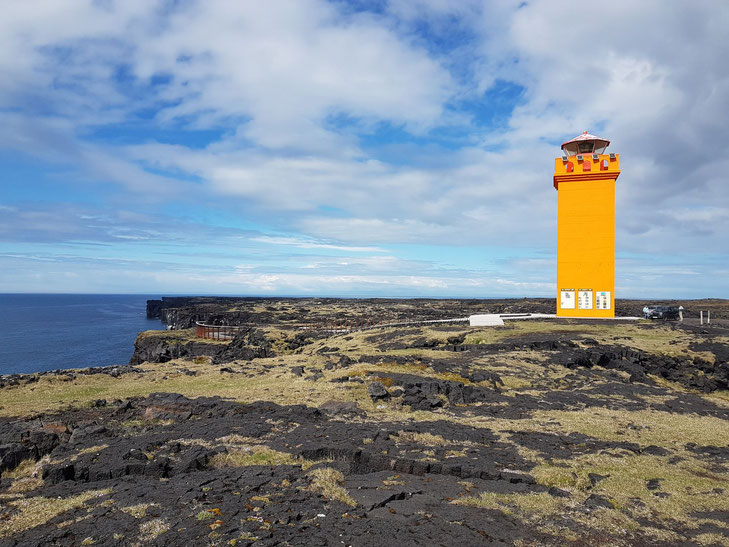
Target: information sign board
x: 584, y: 299
x: 567, y: 299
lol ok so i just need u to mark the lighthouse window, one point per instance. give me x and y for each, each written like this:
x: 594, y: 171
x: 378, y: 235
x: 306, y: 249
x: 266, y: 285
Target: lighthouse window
x: 585, y: 148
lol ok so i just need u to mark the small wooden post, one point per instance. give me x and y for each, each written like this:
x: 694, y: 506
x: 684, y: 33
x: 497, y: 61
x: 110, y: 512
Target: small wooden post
x: 702, y: 316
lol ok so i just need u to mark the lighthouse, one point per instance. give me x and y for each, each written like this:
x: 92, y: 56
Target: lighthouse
x: 584, y: 177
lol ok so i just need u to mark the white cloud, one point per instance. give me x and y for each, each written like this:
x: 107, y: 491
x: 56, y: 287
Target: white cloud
x: 309, y: 244
x: 299, y: 86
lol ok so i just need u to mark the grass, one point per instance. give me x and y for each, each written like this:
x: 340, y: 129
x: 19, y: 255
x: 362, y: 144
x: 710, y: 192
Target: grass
x: 152, y: 529
x: 530, y: 506
x: 689, y: 483
x: 271, y: 384
x: 25, y: 477
x: 328, y: 482
x: 23, y: 470
x: 51, y: 394
x: 38, y: 510
x: 258, y: 455
x: 524, y: 372
x: 711, y: 539
x: 21, y: 486
x: 205, y: 515
x: 234, y: 439
x: 254, y: 455
x: 138, y: 511
x: 719, y: 398
x: 519, y: 370
x: 649, y: 337
x: 89, y: 450
x: 646, y: 427
x: 385, y: 380
x: 427, y: 439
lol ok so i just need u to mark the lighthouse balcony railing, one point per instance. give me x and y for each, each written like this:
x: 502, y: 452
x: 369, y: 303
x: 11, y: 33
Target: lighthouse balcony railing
x: 216, y: 332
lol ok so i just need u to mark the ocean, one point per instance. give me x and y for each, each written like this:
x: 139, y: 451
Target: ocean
x: 57, y: 331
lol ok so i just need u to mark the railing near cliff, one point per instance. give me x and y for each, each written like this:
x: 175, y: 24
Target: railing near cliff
x: 228, y: 332
x: 361, y: 325
x: 216, y: 332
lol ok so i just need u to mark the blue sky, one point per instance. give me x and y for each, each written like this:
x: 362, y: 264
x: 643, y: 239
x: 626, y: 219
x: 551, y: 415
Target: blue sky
x: 384, y: 148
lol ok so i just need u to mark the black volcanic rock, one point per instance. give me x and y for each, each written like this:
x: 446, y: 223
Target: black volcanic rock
x: 248, y: 344
x: 160, y: 349
x: 377, y: 391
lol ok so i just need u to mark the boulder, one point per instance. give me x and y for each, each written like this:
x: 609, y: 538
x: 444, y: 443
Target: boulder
x: 377, y: 391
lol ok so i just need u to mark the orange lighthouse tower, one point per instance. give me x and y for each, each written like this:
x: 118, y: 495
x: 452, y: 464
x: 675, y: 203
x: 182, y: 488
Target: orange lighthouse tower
x: 584, y: 178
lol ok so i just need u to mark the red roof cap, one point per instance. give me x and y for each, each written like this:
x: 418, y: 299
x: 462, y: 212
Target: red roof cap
x: 586, y: 137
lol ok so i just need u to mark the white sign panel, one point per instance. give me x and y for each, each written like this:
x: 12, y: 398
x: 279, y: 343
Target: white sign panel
x: 602, y: 300
x: 567, y: 299
x: 584, y: 299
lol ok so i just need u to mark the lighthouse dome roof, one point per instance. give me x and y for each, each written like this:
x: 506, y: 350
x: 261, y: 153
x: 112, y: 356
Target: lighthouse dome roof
x: 586, y: 143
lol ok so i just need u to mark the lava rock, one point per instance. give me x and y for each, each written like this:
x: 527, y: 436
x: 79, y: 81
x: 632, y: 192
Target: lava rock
x: 558, y: 492
x: 654, y: 450
x: 595, y: 501
x: 250, y: 343
x: 12, y: 454
x: 595, y: 478
x: 377, y: 391
x: 653, y: 484
x: 340, y: 407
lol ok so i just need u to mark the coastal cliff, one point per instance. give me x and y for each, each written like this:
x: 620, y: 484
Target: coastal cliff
x: 164, y: 346
x: 159, y: 348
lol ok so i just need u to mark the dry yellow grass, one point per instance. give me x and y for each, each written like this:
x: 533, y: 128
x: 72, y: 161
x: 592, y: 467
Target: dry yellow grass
x: 243, y: 456
x: 253, y: 455
x: 21, y: 486
x: 38, y: 510
x: 519, y: 370
x: 152, y: 529
x: 427, y: 439
x: 645, y: 427
x: 138, y: 511
x: 650, y: 337
x: 689, y: 483
x: 273, y: 384
x: 529, y: 506
x: 23, y: 469
x: 327, y: 482
x: 25, y: 477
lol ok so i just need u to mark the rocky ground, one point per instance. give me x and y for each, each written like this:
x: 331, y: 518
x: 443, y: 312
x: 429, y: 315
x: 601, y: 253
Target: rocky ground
x: 183, y: 312
x: 557, y: 432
